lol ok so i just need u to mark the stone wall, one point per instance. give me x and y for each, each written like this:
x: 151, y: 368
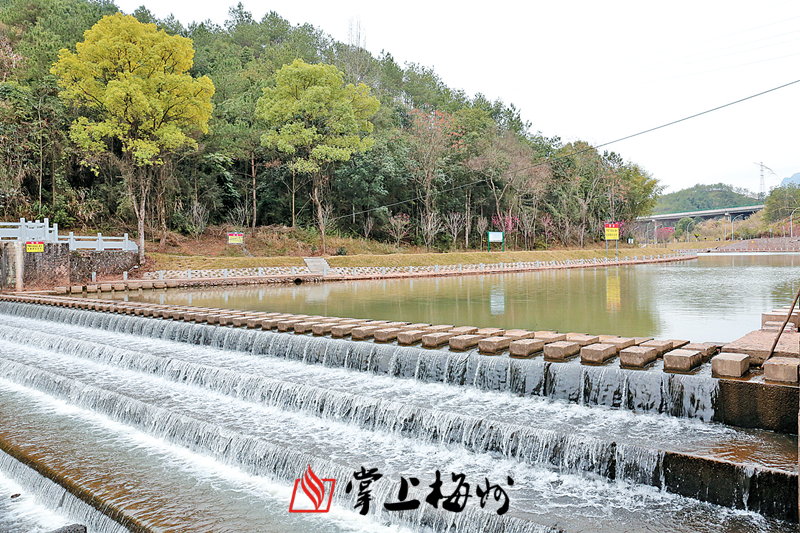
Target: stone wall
x: 33, y: 270
x: 106, y: 263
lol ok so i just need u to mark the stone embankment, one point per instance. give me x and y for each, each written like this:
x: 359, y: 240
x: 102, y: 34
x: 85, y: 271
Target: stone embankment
x: 269, y: 275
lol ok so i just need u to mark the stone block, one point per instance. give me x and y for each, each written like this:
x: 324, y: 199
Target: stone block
x: 410, y: 337
x: 495, y: 344
x: 706, y: 349
x: 549, y: 336
x: 604, y: 338
x: 159, y: 285
x: 661, y: 347
x: 598, y: 353
x: 682, y: 360
x: 119, y: 286
x: 306, y: 325
x: 171, y: 283
x: 639, y: 340
x: 678, y: 343
x: 757, y: 344
x: 288, y: 324
x: 134, y: 285
x: 434, y: 340
x: 76, y: 289
x: 465, y: 342
x: 779, y: 315
x: 525, y: 347
x: 226, y: 320
x: 342, y: 330
x: 272, y: 322
x: 730, y: 365
x: 781, y: 369
x: 63, y: 290
x: 364, y: 332
x: 619, y: 343
x: 561, y: 350
x: 440, y: 328
x: 386, y: 334
x: 582, y: 339
x: 490, y: 332
x: 518, y: 334
x: 637, y: 356
x: 410, y: 327
x: 254, y: 323
x: 147, y: 284
x: 463, y: 330
x: 91, y: 288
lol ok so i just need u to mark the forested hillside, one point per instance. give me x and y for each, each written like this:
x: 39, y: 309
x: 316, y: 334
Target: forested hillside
x: 426, y: 163
x: 702, y: 197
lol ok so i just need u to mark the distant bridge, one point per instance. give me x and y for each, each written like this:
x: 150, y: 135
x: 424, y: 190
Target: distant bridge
x: 708, y: 213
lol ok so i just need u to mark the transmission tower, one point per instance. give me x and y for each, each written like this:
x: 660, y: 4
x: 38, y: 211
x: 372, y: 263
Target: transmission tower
x: 762, y: 191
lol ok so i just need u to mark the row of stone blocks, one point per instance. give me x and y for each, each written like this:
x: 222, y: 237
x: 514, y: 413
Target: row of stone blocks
x: 638, y: 352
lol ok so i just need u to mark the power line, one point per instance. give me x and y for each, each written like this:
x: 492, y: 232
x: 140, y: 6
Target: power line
x: 590, y: 148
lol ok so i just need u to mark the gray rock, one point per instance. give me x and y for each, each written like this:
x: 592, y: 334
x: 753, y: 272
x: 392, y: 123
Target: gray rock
x: 72, y: 528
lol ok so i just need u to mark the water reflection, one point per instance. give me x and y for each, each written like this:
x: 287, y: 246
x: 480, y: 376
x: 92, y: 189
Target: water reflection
x: 713, y: 298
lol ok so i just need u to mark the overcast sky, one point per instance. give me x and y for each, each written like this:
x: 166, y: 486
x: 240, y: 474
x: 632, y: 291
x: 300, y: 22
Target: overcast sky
x: 598, y: 71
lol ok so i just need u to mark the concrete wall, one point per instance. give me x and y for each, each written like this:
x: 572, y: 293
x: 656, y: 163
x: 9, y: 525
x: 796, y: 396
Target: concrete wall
x: 20, y: 269
x: 106, y: 263
x: 9, y: 265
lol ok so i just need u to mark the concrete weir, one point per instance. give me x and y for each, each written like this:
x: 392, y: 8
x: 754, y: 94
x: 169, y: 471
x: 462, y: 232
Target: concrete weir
x: 671, y: 377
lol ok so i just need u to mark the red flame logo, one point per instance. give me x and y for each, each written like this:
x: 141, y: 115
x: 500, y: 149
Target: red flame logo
x: 313, y: 487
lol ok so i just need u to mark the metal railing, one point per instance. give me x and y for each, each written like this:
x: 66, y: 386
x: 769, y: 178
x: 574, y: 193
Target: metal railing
x: 27, y: 230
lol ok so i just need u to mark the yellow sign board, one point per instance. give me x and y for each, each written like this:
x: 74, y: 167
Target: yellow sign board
x: 34, y: 247
x: 235, y: 238
x: 612, y: 231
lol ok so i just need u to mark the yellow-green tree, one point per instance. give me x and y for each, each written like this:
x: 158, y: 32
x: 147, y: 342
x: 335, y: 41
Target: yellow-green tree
x: 318, y: 121
x: 138, y: 102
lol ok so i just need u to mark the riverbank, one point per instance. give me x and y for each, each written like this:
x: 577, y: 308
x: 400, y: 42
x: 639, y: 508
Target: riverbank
x: 295, y: 274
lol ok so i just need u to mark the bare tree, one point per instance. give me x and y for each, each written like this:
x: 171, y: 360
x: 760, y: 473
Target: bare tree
x: 453, y: 222
x: 198, y: 216
x: 369, y: 222
x: 398, y: 227
x: 527, y: 220
x: 482, y: 225
x: 431, y: 225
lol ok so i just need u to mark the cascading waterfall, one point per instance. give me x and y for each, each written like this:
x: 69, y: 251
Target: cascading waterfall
x: 54, y: 496
x: 565, y: 452
x: 641, y: 392
x: 253, y: 455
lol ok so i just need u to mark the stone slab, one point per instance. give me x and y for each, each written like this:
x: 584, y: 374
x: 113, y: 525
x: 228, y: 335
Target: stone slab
x: 678, y: 343
x: 159, y: 285
x: 76, y: 289
x: 518, y: 334
x: 583, y: 340
x: 730, y: 365
x: 286, y: 325
x: 365, y: 332
x: 434, y: 340
x: 118, y: 286
x: 525, y: 347
x: 604, y: 338
x: 661, y: 347
x: 637, y: 356
x: 549, y: 336
x: 598, y: 353
x: 386, y: 334
x: 707, y: 349
x: 464, y: 330
x: 411, y: 337
x: 147, y: 284
x: 619, y: 343
x: 410, y: 327
x: 639, y: 340
x: 439, y: 328
x: 781, y: 369
x: 465, y: 342
x: 779, y: 315
x: 490, y: 332
x: 756, y: 344
x: 682, y: 360
x: 561, y: 350
x: 495, y: 344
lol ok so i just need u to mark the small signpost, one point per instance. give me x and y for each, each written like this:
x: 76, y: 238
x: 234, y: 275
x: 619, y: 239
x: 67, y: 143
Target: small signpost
x: 612, y: 234
x: 235, y: 238
x: 34, y: 247
x: 495, y: 236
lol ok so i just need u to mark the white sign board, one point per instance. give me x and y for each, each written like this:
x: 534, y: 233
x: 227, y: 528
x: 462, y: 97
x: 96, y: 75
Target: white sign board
x: 495, y: 236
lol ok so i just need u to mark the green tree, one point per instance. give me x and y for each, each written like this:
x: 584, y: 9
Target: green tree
x: 685, y: 225
x: 317, y: 121
x: 138, y: 102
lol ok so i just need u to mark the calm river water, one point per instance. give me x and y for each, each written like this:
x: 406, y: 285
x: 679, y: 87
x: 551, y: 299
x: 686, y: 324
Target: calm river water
x: 715, y: 298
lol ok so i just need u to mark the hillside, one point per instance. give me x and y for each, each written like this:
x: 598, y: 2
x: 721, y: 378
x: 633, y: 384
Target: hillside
x: 701, y: 197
